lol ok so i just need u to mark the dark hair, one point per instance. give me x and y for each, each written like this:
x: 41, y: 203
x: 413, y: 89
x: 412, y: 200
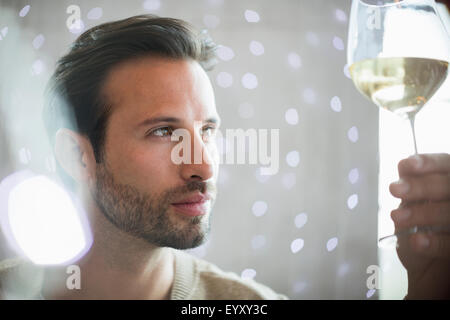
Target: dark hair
x: 74, y: 94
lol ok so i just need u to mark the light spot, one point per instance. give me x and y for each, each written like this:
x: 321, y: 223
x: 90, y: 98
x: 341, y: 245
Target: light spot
x: 45, y: 222
x: 340, y: 15
x: 249, y: 81
x: 291, y: 116
x: 224, y: 79
x: 38, y: 41
x: 297, y: 245
x: 50, y: 163
x: 258, y: 242
x: 259, y: 208
x: 248, y: 273
x: 95, y: 13
x: 262, y: 178
x: 352, y: 201
x: 347, y: 71
x: 251, y: 16
x: 24, y: 11
x: 289, y: 180
x: 370, y: 293
x: 294, y: 60
x: 299, y: 286
x: 352, y: 134
x: 246, y: 110
x: 312, y: 38
x: 211, y: 21
x: 77, y: 26
x: 151, y: 5
x: 343, y: 269
x: 4, y: 31
x: 293, y: 158
x: 37, y: 67
x: 335, y: 104
x: 300, y: 220
x: 332, y: 244
x: 256, y: 48
x: 309, y: 96
x: 225, y: 53
x: 24, y: 155
x: 353, y: 176
x: 338, y: 43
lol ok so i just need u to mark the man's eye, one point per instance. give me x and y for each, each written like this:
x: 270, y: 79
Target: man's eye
x: 209, y: 131
x: 162, y: 132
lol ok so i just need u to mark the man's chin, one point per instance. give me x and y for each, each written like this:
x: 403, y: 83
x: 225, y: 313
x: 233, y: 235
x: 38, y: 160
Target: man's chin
x: 182, y: 244
x: 188, y: 237
x: 191, y: 245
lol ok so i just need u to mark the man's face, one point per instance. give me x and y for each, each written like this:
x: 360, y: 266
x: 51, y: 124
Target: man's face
x: 138, y: 185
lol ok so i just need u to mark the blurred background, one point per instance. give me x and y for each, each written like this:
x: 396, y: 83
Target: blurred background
x: 311, y: 230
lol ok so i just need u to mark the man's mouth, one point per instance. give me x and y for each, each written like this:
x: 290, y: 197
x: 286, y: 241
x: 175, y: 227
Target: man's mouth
x: 194, y: 205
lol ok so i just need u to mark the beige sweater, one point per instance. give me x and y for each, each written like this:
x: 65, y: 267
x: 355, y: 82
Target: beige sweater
x: 195, y: 279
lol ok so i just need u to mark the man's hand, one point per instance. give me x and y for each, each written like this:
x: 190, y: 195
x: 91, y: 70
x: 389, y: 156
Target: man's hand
x: 424, y: 188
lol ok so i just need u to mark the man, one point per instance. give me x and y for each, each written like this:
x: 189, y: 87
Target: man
x: 130, y: 85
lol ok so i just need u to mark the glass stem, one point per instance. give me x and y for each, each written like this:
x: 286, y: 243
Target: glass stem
x: 412, y: 118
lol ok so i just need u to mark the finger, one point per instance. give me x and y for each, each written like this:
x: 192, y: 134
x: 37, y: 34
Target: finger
x: 431, y: 245
x: 422, y: 214
x: 435, y: 186
x: 424, y: 163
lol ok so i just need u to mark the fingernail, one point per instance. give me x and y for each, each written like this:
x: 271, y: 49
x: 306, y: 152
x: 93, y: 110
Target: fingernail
x: 417, y: 161
x: 401, y: 186
x: 422, y: 241
x: 401, y: 215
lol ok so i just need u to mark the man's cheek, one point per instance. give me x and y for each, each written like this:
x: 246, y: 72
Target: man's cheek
x: 139, y: 166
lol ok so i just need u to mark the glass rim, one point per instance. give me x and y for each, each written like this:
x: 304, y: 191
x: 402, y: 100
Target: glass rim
x: 399, y: 56
x: 393, y: 3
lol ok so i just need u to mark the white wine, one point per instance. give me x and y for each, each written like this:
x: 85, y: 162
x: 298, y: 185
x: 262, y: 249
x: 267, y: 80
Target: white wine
x: 400, y: 85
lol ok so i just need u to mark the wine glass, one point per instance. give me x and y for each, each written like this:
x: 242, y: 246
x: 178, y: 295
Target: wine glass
x: 398, y: 53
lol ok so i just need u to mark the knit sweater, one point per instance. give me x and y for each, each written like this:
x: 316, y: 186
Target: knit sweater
x: 194, y: 279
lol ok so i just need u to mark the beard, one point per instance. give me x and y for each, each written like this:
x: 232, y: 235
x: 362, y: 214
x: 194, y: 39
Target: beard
x: 147, y: 215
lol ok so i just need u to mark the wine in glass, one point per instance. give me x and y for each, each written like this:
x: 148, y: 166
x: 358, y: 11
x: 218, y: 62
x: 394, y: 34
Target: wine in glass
x: 398, y: 53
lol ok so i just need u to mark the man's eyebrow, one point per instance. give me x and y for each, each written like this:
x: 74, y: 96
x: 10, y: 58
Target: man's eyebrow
x: 152, y: 121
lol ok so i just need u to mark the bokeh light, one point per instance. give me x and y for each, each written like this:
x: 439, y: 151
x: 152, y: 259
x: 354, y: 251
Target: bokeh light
x: 251, y: 16
x: 332, y: 244
x: 297, y: 245
x: 42, y: 220
x: 291, y: 116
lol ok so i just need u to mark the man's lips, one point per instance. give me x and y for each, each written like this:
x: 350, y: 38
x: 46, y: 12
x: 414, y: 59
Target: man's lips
x: 195, y: 205
x: 198, y: 197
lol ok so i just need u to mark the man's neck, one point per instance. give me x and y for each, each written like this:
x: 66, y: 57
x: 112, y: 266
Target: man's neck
x: 118, y: 266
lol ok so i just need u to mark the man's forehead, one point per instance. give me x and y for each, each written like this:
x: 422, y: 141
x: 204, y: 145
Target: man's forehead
x: 155, y: 85
x: 149, y: 76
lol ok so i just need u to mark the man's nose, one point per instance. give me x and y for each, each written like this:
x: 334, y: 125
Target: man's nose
x: 201, y: 164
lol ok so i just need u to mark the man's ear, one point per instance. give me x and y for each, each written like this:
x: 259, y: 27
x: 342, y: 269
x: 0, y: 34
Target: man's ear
x: 75, y: 154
